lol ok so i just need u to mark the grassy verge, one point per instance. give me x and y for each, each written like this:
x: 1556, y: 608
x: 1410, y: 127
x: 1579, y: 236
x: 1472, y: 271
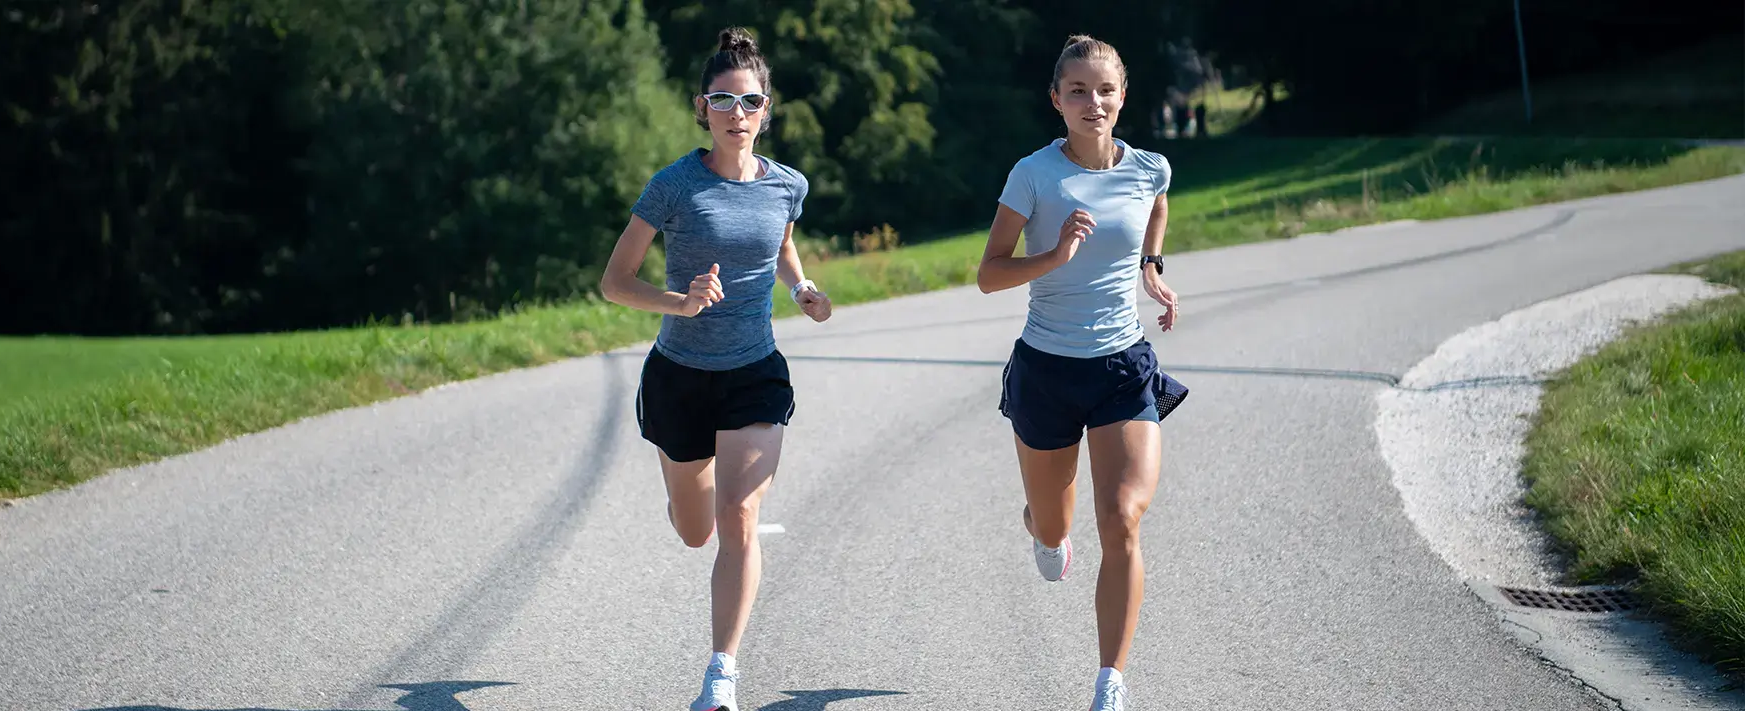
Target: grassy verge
x: 1638, y: 461
x: 1241, y: 190
x: 76, y: 425
x: 76, y: 407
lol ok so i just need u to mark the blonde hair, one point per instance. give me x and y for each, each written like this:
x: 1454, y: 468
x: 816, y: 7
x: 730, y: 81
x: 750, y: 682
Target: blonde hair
x: 1084, y: 48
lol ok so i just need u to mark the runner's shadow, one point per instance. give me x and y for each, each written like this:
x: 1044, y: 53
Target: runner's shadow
x: 440, y: 696
x: 434, y: 696
x: 817, y: 700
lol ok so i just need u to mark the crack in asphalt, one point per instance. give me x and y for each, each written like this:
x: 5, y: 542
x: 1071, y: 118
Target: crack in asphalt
x: 1539, y: 638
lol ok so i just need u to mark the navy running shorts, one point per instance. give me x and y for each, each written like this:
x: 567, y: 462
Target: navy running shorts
x: 1051, y: 399
x: 679, y: 409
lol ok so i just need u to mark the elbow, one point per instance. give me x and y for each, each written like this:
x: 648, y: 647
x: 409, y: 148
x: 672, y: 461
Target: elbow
x: 984, y: 280
x: 988, y: 283
x: 611, y: 289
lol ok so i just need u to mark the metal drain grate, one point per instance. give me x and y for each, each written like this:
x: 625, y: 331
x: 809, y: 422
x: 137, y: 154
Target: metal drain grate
x: 1580, y: 600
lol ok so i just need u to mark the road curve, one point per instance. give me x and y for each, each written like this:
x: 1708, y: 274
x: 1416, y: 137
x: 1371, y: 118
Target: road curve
x: 501, y: 543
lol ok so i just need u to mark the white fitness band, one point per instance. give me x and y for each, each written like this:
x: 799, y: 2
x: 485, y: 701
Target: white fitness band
x: 794, y: 293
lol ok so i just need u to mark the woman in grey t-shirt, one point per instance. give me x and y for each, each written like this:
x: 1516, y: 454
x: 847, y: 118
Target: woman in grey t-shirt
x: 1092, y: 210
x: 715, y: 395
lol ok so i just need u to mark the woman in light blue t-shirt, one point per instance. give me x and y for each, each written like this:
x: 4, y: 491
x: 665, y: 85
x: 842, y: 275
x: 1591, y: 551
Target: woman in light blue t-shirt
x: 1093, y: 211
x: 715, y: 395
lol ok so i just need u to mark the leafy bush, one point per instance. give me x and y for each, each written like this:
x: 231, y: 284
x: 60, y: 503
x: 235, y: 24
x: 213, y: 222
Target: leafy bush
x: 271, y: 164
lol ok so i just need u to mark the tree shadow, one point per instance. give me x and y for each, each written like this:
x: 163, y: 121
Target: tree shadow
x: 433, y: 696
x: 818, y: 700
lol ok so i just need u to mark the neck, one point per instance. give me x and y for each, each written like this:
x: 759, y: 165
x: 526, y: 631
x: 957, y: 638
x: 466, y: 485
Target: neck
x: 1093, y: 152
x: 732, y: 165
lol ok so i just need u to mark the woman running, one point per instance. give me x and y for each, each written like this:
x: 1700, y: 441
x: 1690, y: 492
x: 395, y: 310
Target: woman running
x: 715, y: 395
x: 1093, y: 210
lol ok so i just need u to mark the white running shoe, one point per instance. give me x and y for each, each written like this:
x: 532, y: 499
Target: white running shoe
x: 1053, y: 564
x: 1111, y: 696
x: 718, y: 690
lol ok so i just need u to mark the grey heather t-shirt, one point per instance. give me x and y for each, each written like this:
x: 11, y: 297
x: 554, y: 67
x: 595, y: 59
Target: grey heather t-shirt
x: 708, y: 219
x: 1088, y: 307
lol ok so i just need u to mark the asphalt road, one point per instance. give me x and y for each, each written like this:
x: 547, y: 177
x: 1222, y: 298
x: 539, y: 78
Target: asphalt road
x: 501, y: 544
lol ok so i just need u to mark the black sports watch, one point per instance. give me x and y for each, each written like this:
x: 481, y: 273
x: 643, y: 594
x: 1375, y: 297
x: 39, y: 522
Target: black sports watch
x: 1152, y: 259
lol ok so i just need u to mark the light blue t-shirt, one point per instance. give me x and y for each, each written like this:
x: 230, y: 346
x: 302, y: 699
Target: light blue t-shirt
x: 708, y: 219
x: 1088, y: 307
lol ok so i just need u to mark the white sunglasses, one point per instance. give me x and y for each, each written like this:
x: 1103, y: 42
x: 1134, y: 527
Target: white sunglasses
x: 724, y: 101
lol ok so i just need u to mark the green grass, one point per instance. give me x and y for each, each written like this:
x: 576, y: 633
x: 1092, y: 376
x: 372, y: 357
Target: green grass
x: 1695, y: 93
x: 1230, y: 109
x: 873, y: 276
x: 81, y: 420
x: 1243, y: 189
x: 1637, y: 460
x: 77, y: 407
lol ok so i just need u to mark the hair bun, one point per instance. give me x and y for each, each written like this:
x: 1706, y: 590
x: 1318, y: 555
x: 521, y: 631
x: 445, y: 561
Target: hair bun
x: 737, y: 39
x: 1075, y: 39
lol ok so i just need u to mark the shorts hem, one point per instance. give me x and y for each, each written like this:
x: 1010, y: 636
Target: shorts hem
x: 744, y: 422
x: 1171, y: 394
x: 1045, y: 444
x: 1148, y: 413
x: 681, y: 455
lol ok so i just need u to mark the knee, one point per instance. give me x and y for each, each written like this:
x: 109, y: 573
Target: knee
x: 1118, y: 522
x: 738, y: 521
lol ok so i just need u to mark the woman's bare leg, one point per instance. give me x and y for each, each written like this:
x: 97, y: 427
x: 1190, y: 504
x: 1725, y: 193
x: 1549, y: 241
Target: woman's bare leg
x: 746, y: 462
x: 690, y: 491
x: 1125, y: 458
x: 1049, y: 485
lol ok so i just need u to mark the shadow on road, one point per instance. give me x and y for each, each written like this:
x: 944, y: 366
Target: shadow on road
x: 440, y: 696
x: 817, y: 700
x: 434, y: 696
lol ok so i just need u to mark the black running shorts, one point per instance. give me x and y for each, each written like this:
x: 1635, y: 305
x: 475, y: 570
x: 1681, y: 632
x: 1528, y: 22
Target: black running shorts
x: 679, y: 408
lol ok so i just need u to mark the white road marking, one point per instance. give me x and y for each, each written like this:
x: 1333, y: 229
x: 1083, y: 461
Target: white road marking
x: 771, y: 528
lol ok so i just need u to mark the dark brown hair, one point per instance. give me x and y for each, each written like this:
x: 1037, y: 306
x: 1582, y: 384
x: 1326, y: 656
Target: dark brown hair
x: 1084, y: 48
x: 738, y: 50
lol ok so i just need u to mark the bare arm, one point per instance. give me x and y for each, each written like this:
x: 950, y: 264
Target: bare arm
x: 1148, y: 274
x: 813, y: 303
x: 621, y: 285
x: 788, y: 267
x: 1155, y: 228
x: 1000, y: 270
